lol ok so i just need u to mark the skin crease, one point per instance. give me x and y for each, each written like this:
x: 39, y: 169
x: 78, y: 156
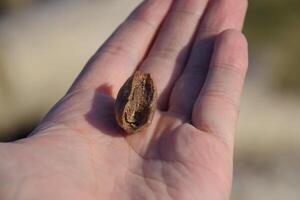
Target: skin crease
x: 79, y: 152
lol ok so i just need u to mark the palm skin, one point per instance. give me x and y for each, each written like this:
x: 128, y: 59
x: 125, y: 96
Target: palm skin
x: 173, y: 160
x: 79, y: 152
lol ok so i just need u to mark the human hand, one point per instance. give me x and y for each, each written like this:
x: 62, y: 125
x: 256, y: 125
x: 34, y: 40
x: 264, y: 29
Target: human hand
x: 198, y: 64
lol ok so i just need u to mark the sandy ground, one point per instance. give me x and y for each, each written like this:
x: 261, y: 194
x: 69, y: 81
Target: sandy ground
x: 44, y: 47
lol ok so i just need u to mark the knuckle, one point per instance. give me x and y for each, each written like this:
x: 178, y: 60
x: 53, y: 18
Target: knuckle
x: 237, y: 70
x: 188, y: 14
x: 120, y: 51
x: 143, y: 21
x: 115, y: 49
x: 165, y: 53
x: 209, y: 29
x: 223, y: 97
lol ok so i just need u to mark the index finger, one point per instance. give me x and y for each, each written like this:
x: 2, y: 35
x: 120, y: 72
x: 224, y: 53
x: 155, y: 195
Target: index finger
x: 116, y: 60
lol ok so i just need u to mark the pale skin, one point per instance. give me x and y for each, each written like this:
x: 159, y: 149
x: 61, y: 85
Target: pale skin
x: 197, y: 56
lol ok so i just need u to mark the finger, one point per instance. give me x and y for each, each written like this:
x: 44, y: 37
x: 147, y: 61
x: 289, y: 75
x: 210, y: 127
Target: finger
x: 170, y: 50
x: 219, y: 16
x: 217, y: 107
x: 116, y: 60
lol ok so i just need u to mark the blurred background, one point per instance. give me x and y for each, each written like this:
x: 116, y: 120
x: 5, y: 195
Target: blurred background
x: 45, y: 43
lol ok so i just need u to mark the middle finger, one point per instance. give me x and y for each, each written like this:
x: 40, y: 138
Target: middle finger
x: 170, y: 50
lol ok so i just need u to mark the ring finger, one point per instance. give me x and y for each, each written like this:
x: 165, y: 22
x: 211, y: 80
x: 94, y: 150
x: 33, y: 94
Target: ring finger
x: 219, y: 16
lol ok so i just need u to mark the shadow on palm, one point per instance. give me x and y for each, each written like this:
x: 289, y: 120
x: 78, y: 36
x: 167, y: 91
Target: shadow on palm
x: 167, y: 154
x: 146, y: 143
x: 169, y: 138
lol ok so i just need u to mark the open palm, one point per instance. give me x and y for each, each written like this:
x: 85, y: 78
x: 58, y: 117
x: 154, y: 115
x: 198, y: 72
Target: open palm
x: 197, y: 57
